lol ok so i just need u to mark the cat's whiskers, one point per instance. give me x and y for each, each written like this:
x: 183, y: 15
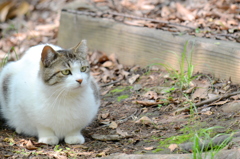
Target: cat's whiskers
x: 68, y: 95
x: 55, y: 93
x: 57, y: 99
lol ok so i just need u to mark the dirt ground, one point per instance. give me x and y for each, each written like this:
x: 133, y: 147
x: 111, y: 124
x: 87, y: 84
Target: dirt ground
x: 141, y: 108
x: 122, y: 126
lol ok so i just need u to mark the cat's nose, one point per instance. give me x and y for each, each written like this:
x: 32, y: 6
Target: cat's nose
x: 79, y: 81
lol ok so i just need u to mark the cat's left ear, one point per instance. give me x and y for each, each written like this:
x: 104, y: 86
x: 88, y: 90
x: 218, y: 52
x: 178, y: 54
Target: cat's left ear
x: 81, y: 49
x: 48, y: 55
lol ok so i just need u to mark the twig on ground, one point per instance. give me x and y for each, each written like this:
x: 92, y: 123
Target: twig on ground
x: 217, y: 98
x: 136, y: 113
x: 110, y: 83
x: 207, y: 101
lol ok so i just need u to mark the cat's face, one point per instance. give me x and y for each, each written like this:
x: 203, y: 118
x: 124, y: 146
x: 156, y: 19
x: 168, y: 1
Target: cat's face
x: 65, y: 68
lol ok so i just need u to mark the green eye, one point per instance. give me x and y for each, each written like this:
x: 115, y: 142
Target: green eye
x: 66, y: 72
x: 83, y: 69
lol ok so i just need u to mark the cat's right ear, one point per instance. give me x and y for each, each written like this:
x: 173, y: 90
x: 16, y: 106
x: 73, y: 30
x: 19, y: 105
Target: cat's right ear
x: 48, y: 55
x: 81, y: 49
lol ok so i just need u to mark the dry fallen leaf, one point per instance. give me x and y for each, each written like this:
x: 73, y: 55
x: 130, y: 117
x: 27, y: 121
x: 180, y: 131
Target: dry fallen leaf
x: 206, y: 109
x: 189, y: 90
x: 133, y: 79
x: 113, y: 125
x: 151, y: 95
x: 30, y: 145
x: 208, y: 113
x: 148, y: 148
x: 165, y: 12
x: 79, y: 146
x: 107, y: 64
x: 4, y: 9
x: 105, y: 115
x: 125, y: 73
x: 103, y: 58
x: 120, y: 132
x: 231, y: 107
x: 149, y: 102
x: 185, y: 13
x: 201, y: 91
x: 135, y: 22
x: 144, y: 120
x: 145, y: 110
x: 101, y: 154
x: 236, y: 97
x: 105, y: 122
x: 211, y: 95
x: 9, y: 140
x: 113, y: 58
x: 106, y: 137
x: 22, y: 9
x: 137, y: 87
x: 220, y: 102
x: 98, y: 57
x: 97, y: 1
x: 173, y: 147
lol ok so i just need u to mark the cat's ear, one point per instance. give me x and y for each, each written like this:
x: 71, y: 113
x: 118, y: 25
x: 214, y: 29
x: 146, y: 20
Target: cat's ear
x: 48, y: 55
x: 81, y: 49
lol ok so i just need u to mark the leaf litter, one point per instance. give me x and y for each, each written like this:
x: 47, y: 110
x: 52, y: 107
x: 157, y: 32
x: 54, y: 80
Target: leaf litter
x: 146, y: 116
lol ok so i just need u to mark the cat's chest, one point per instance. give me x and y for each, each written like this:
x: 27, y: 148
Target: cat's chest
x: 67, y: 109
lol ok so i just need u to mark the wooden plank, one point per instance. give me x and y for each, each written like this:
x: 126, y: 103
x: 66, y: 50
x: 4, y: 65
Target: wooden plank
x: 145, y: 46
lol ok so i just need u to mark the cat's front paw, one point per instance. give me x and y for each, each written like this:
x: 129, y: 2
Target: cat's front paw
x: 79, y: 139
x: 50, y: 140
x: 18, y: 130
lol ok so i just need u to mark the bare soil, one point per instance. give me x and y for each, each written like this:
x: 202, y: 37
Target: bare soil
x: 126, y: 127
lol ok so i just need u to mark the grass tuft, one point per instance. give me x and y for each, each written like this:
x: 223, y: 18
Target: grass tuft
x: 6, y: 57
x: 182, y: 77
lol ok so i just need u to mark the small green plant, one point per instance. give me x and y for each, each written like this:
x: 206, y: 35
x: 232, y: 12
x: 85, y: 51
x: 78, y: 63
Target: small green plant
x: 16, y: 55
x: 22, y: 151
x: 120, y: 93
x: 199, y: 146
x: 183, y: 78
x: 197, y: 30
x: 122, y: 97
x: 117, y: 90
x: 170, y: 90
x: 10, y: 28
x: 6, y: 57
x: 57, y: 148
x: 196, y: 136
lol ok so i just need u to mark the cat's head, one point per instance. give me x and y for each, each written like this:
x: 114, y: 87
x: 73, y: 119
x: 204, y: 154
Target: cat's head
x: 65, y: 68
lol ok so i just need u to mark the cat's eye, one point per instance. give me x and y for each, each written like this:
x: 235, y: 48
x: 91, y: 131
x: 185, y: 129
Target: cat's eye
x: 66, y: 72
x: 84, y: 68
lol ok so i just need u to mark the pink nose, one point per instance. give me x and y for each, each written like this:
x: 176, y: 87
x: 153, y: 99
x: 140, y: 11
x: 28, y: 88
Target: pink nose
x: 79, y: 81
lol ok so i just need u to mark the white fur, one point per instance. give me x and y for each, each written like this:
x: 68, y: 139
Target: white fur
x: 49, y: 112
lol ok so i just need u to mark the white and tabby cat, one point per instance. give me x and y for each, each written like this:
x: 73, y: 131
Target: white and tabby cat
x: 49, y: 93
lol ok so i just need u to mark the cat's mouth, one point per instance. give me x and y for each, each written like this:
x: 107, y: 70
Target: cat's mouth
x: 77, y: 87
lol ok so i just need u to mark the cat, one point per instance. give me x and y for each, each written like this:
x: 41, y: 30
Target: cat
x: 49, y: 93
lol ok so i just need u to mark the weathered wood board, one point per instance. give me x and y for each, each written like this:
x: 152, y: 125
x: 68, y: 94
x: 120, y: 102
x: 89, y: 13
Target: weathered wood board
x: 145, y: 46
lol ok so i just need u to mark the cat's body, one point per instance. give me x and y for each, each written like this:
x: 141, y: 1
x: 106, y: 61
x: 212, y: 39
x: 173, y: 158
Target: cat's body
x: 50, y: 93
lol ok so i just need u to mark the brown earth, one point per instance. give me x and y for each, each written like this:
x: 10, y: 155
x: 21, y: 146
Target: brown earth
x: 122, y: 126
x: 140, y: 106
